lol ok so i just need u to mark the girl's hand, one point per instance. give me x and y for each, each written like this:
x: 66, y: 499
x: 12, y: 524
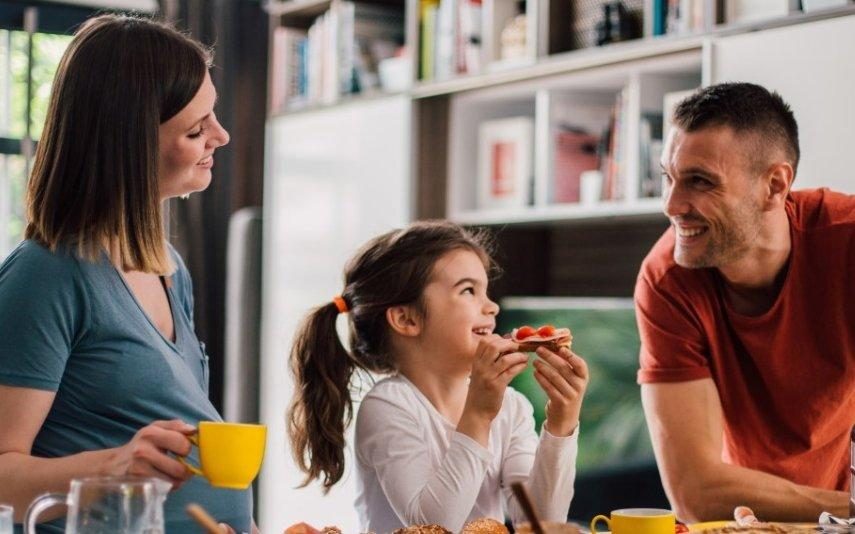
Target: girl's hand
x: 496, y: 364
x: 564, y: 378
x: 147, y: 454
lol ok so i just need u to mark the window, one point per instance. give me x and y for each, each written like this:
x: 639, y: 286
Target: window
x: 25, y: 82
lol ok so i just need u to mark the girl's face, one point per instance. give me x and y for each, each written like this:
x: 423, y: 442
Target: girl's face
x: 458, y: 310
x: 187, y: 143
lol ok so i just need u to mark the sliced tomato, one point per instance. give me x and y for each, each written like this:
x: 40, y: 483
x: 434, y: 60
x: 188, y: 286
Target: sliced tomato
x: 525, y: 331
x: 546, y: 330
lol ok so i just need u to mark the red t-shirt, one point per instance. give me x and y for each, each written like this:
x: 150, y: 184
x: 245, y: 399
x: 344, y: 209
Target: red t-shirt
x: 786, y: 378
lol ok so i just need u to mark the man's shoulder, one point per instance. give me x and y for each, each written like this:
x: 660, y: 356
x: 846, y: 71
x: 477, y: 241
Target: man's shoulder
x: 818, y: 209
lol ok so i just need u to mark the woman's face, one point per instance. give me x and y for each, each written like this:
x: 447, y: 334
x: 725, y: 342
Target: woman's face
x: 187, y: 144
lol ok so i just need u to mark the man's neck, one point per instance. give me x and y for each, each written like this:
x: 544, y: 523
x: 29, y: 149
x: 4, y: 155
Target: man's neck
x: 753, y: 282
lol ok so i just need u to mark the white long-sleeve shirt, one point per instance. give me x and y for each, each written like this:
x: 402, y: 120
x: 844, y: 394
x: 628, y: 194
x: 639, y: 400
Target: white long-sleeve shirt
x: 414, y: 467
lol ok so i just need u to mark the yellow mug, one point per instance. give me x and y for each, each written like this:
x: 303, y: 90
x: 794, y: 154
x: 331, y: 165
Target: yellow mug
x: 230, y: 454
x: 637, y: 521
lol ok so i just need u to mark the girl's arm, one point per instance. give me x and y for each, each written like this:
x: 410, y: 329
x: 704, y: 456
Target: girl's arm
x: 551, y: 470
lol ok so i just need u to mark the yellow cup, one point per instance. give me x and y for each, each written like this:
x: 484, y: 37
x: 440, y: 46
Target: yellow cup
x: 230, y: 454
x: 637, y: 521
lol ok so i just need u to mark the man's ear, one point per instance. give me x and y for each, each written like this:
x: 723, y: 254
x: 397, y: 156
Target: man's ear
x: 404, y: 320
x: 779, y: 179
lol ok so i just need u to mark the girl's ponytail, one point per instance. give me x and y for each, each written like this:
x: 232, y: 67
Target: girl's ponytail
x: 322, y: 407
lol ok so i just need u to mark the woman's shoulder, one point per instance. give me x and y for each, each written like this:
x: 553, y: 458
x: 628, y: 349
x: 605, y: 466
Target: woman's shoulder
x: 32, y: 259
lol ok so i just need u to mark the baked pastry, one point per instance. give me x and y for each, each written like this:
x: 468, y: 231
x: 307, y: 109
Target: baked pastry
x: 484, y: 525
x: 763, y: 529
x: 422, y: 529
x: 529, y: 338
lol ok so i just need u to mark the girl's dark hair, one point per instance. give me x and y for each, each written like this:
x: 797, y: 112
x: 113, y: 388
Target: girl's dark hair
x: 94, y: 180
x: 390, y: 270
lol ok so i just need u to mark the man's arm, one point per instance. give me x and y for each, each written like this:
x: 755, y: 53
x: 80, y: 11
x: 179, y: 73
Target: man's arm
x: 685, y: 423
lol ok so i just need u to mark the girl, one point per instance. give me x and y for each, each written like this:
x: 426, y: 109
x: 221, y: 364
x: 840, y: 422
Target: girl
x: 442, y: 439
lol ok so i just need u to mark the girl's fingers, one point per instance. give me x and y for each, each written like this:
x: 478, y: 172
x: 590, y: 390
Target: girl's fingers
x: 508, y: 361
x: 513, y: 371
x: 559, y: 382
x: 580, y: 367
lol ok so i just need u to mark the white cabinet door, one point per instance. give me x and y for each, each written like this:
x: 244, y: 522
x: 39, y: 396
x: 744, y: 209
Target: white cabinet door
x: 812, y: 67
x: 334, y: 179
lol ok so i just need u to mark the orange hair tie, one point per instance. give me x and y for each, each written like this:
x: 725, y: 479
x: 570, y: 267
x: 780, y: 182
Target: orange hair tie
x: 340, y: 304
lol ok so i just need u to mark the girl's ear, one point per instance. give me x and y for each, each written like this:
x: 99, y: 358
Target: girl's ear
x: 404, y: 320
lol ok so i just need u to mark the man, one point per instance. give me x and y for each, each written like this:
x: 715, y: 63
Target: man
x: 746, y: 310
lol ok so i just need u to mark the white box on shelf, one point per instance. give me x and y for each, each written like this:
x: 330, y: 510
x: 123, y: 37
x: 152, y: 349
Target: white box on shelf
x: 505, y: 162
x: 741, y: 11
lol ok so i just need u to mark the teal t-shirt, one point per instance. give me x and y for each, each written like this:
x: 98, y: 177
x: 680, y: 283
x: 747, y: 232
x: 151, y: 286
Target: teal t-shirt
x: 74, y: 327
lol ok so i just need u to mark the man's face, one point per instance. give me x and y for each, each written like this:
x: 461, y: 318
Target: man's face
x: 712, y: 195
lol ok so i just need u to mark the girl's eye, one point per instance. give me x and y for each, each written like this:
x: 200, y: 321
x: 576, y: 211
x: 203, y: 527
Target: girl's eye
x: 470, y: 290
x: 194, y: 135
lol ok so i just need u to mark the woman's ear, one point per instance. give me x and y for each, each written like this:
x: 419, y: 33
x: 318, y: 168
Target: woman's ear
x: 404, y: 320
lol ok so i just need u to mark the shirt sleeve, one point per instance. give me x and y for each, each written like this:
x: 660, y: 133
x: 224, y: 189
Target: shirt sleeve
x: 547, y: 466
x: 389, y: 440
x: 43, y: 308
x: 673, y: 345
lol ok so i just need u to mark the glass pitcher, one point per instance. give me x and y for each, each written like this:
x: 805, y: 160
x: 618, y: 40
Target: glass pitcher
x: 102, y: 505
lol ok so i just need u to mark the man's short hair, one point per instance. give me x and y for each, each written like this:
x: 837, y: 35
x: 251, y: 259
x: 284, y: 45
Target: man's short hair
x: 746, y: 108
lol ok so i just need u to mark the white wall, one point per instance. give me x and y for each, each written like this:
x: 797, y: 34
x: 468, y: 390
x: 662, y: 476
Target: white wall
x: 811, y: 65
x: 335, y: 178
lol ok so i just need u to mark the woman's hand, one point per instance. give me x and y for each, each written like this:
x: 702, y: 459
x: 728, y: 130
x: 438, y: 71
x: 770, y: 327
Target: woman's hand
x: 147, y: 454
x: 564, y: 378
x: 496, y: 364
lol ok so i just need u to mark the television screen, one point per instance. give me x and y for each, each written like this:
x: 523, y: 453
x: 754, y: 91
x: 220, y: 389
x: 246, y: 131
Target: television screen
x: 612, y: 428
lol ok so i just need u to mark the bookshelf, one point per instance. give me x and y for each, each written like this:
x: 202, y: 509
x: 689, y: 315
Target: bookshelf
x: 413, y: 153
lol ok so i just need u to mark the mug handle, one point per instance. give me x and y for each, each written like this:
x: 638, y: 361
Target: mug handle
x: 194, y: 439
x: 597, y: 519
x: 42, y: 503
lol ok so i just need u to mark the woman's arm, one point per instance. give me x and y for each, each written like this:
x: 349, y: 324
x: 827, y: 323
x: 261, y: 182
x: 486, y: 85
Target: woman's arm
x: 23, y: 477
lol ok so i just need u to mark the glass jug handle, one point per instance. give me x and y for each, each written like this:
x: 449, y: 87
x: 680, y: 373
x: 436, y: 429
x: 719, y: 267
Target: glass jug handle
x: 42, y: 503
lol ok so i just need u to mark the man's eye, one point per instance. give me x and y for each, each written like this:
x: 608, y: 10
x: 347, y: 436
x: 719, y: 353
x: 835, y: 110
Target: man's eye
x: 701, y: 181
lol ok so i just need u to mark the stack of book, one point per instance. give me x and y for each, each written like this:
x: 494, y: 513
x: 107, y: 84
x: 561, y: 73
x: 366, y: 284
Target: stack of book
x: 450, y: 38
x: 336, y: 56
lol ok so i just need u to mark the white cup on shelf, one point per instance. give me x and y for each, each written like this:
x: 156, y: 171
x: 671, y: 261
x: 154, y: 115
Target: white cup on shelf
x: 591, y: 187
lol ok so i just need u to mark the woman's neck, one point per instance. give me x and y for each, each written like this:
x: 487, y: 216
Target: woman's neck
x: 446, y: 389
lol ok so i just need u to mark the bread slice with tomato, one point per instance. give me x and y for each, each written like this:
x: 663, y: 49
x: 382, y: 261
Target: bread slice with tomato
x: 529, y: 338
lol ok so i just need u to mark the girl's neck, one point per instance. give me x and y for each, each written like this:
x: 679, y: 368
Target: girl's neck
x: 445, y: 389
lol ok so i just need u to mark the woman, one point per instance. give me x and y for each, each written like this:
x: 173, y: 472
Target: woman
x: 100, y: 370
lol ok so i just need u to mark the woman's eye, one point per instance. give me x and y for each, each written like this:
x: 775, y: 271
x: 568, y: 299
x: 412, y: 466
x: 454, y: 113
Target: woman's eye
x: 196, y: 134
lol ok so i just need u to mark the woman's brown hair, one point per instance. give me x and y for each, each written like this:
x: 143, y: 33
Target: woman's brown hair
x: 94, y: 181
x: 390, y: 270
